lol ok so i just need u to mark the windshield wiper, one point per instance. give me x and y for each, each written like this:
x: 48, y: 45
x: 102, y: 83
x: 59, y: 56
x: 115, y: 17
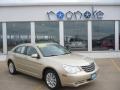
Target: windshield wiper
x: 65, y: 53
x: 52, y: 55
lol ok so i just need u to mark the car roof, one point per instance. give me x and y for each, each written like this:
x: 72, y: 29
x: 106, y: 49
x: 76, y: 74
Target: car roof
x: 37, y: 44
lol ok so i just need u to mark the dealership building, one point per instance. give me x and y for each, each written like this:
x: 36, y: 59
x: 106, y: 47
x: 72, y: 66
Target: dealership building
x: 92, y: 29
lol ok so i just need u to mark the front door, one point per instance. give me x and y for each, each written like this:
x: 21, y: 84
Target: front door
x: 33, y: 66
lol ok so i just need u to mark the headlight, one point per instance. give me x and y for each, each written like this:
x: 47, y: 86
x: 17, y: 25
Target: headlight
x: 71, y: 69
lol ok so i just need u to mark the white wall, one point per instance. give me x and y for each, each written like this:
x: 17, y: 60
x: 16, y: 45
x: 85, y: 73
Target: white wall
x: 38, y: 13
x: 33, y: 13
x: 110, y: 12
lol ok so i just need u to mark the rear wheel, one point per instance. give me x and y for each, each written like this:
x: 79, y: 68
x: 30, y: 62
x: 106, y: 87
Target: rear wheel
x: 11, y: 68
x: 52, y: 80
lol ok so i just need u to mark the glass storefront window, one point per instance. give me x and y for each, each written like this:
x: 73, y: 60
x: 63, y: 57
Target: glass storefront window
x: 1, y: 39
x: 17, y: 33
x: 76, y: 35
x: 47, y: 31
x: 103, y: 35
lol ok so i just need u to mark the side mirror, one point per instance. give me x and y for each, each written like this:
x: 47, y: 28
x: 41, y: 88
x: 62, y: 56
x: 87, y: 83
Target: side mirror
x: 35, y: 56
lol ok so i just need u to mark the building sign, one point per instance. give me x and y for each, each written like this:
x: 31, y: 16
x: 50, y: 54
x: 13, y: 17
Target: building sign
x: 77, y: 15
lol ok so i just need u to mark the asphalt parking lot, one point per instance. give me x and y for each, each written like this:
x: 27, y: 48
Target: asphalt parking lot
x: 108, y: 78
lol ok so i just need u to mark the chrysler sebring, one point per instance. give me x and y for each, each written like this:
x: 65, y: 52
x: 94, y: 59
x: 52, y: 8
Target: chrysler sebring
x: 53, y: 63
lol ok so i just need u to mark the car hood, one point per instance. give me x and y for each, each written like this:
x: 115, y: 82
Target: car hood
x: 71, y: 59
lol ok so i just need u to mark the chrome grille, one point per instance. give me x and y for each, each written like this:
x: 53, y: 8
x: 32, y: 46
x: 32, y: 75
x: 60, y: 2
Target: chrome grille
x: 89, y: 68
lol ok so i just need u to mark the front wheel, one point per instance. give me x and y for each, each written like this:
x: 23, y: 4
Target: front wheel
x: 11, y: 68
x: 52, y: 80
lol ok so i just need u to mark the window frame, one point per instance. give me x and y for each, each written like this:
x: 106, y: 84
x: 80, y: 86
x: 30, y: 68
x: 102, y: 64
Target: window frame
x: 43, y: 39
x: 85, y: 44
x: 97, y: 50
x: 21, y: 39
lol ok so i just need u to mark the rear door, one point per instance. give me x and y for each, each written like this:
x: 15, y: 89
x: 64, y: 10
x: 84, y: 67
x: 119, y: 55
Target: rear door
x: 19, y: 55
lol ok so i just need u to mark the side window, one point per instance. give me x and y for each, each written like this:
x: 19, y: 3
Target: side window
x: 31, y: 50
x: 17, y: 50
x: 20, y: 50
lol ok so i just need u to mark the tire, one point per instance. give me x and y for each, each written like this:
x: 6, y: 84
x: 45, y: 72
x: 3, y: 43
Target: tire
x: 52, y: 80
x: 11, y: 67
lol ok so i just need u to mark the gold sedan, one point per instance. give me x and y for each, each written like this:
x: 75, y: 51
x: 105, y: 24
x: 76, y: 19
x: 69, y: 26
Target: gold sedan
x: 52, y: 63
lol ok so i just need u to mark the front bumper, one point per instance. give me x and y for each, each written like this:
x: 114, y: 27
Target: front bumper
x: 75, y: 80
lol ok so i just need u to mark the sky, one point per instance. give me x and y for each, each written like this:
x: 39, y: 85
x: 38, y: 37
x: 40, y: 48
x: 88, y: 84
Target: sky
x: 54, y: 1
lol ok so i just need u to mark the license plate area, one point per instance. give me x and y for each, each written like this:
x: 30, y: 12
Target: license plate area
x: 93, y: 76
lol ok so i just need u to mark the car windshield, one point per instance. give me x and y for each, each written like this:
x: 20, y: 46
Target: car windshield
x: 52, y: 50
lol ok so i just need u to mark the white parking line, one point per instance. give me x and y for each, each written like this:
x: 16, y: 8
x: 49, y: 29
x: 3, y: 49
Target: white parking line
x: 38, y: 88
x: 116, y: 66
